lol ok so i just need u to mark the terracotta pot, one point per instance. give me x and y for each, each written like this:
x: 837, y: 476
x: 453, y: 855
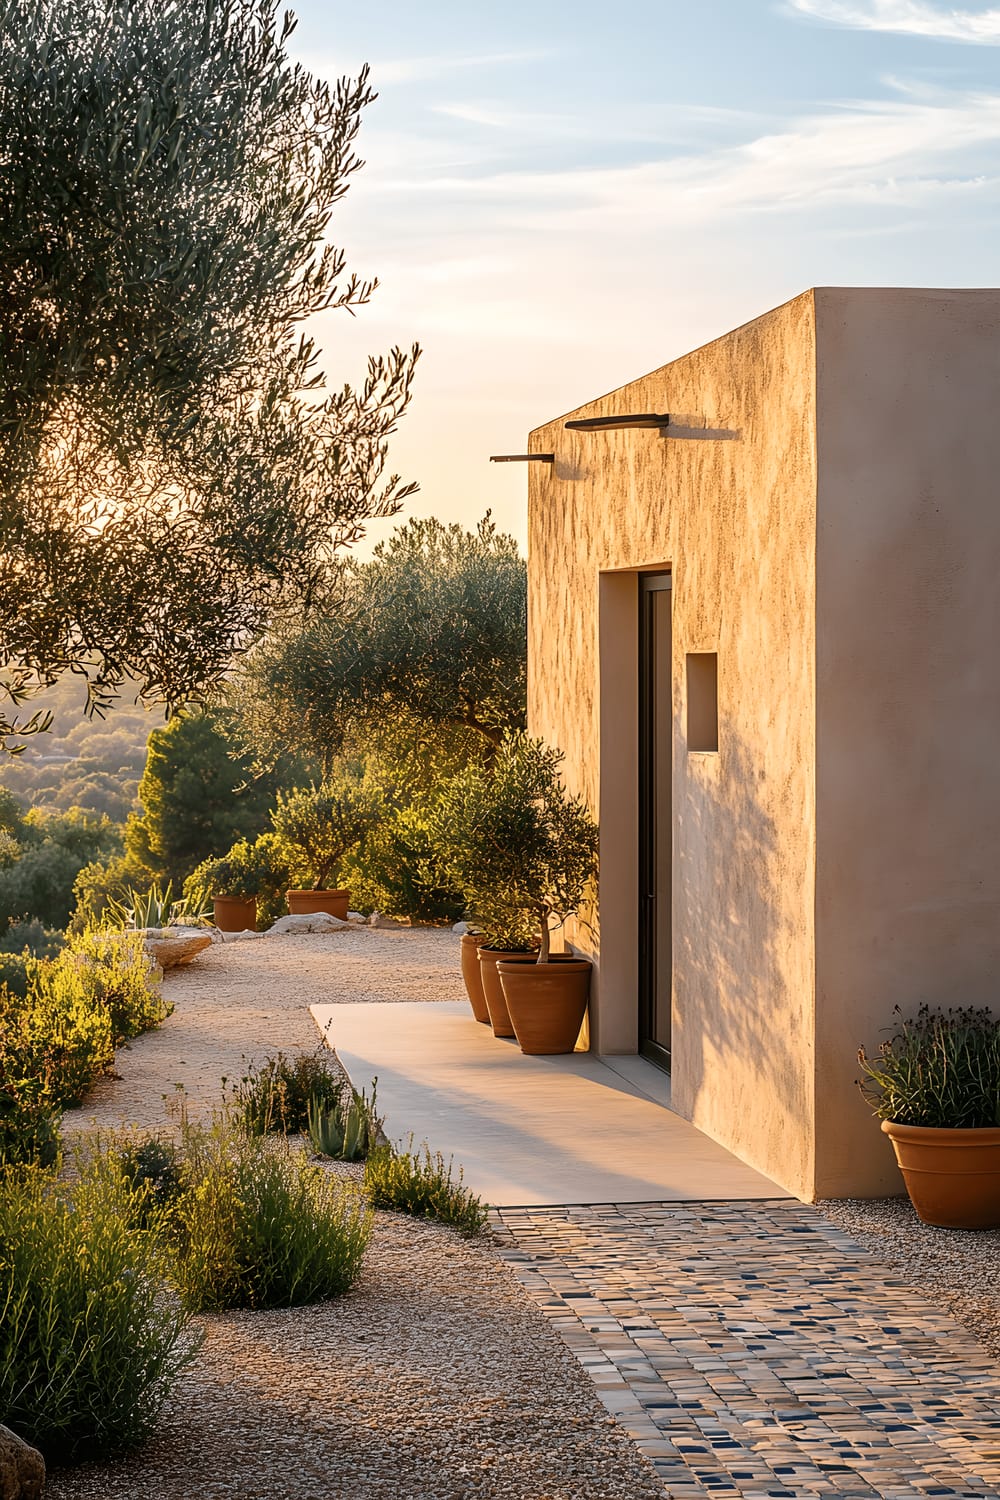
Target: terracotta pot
x: 952, y: 1176
x: 546, y: 1002
x: 473, y: 978
x: 235, y: 913
x: 495, y: 1002
x: 304, y: 903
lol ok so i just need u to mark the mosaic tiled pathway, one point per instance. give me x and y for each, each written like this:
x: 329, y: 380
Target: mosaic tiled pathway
x: 753, y: 1349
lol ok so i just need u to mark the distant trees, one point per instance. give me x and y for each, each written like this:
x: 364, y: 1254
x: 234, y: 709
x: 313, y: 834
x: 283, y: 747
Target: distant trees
x: 171, y: 476
x: 40, y: 861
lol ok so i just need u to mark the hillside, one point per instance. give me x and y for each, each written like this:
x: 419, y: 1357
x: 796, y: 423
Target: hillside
x: 82, y: 762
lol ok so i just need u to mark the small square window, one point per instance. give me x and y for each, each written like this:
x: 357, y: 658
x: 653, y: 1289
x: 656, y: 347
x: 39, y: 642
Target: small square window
x: 703, y: 700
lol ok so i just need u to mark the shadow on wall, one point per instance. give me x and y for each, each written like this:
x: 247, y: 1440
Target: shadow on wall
x: 743, y: 969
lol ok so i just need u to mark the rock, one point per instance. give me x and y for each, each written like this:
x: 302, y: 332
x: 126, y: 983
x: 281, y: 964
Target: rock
x: 314, y: 921
x: 461, y: 927
x: 237, y: 937
x: 378, y: 920
x: 172, y: 947
x: 22, y: 1468
x: 355, y: 916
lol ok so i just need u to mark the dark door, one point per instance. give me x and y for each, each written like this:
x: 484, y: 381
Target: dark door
x: 655, y: 819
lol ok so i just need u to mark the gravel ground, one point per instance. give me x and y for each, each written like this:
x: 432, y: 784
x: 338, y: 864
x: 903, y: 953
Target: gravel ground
x: 954, y: 1268
x: 436, y: 1378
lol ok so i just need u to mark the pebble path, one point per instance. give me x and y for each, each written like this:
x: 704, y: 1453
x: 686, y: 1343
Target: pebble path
x: 754, y: 1349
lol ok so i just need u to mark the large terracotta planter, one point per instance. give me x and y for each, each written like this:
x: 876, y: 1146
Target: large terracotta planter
x: 235, y: 913
x: 952, y: 1176
x: 495, y: 1002
x: 472, y: 977
x: 304, y: 903
x: 546, y: 1002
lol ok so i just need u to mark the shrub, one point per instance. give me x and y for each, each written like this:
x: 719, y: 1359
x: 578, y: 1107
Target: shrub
x: 258, y: 869
x: 117, y: 974
x: 941, y: 1068
x: 67, y: 1037
x: 320, y: 825
x: 348, y: 1130
x: 415, y: 1182
x: 89, y: 1342
x: 58, y: 1031
x: 276, y: 1095
x: 14, y: 974
x: 258, y: 1225
x: 395, y: 871
x: 151, y: 1167
x: 29, y: 936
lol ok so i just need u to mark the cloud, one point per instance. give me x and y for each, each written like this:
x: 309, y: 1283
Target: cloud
x: 897, y: 151
x: 908, y: 17
x: 419, y: 69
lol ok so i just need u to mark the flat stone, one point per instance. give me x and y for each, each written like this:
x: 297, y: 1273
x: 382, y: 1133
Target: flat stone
x: 170, y: 949
x: 22, y: 1468
x: 378, y: 919
x: 314, y: 921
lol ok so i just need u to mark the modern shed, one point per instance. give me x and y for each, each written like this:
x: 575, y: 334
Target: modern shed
x: 765, y: 633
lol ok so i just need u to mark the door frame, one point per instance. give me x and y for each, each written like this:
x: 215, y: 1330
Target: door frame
x: 649, y: 585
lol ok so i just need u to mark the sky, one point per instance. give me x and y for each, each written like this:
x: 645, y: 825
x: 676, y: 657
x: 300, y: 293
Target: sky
x: 559, y: 197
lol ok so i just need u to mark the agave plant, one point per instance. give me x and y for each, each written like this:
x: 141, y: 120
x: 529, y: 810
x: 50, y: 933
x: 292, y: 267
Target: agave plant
x: 156, y: 907
x: 347, y: 1130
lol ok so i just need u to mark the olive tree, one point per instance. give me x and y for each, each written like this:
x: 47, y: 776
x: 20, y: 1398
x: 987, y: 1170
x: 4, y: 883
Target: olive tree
x: 431, y: 631
x: 172, y: 473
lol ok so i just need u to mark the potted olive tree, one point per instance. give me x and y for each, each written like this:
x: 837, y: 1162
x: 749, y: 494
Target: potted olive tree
x: 319, y: 826
x: 935, y: 1085
x: 244, y: 885
x: 523, y: 853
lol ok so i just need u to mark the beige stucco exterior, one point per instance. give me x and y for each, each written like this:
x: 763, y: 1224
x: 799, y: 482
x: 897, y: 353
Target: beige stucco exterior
x: 825, y: 497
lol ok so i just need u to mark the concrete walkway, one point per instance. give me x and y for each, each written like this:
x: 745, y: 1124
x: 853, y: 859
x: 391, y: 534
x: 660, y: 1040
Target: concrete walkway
x: 531, y: 1130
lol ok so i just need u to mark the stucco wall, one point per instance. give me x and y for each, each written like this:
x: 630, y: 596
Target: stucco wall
x: 727, y: 499
x: 908, y: 690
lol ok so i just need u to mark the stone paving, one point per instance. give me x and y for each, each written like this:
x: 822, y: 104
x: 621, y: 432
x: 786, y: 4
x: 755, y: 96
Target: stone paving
x: 753, y: 1349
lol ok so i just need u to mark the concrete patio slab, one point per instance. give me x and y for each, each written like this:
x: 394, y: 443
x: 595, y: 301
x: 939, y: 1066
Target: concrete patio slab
x: 530, y: 1130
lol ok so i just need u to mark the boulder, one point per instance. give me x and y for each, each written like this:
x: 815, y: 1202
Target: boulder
x: 171, y: 947
x: 22, y: 1468
x: 378, y: 919
x: 314, y: 921
x: 461, y: 927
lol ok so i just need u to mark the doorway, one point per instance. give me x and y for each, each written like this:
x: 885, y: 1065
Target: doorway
x: 655, y: 816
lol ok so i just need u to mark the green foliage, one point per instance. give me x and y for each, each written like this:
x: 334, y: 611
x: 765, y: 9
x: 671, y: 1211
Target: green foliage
x: 258, y: 869
x: 89, y: 1342
x: 31, y: 937
x: 170, y: 473
x: 151, y: 1166
x: 155, y: 908
x: 277, y: 1094
x: 258, y: 1225
x: 85, y: 762
x: 54, y: 848
x: 198, y: 796
x: 320, y: 825
x: 395, y: 871
x: 347, y: 1130
x: 418, y: 1183
x: 432, y: 628
x: 115, y: 972
x: 14, y: 974
x: 941, y: 1068
x: 517, y: 845
x: 58, y: 1030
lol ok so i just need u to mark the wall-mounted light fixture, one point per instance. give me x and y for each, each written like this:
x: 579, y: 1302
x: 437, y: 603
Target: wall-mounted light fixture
x: 613, y: 424
x: 523, y: 458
